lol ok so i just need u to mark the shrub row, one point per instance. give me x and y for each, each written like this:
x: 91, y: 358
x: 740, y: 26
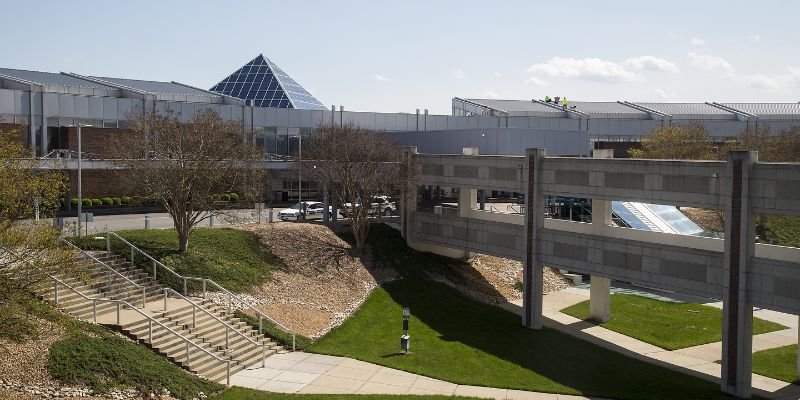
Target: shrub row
x: 143, y: 201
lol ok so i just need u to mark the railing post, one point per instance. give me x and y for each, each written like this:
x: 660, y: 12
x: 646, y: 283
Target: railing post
x: 94, y: 310
x: 165, y: 299
x: 260, y: 325
x: 55, y: 290
x: 226, y: 336
x: 132, y: 254
x: 118, y: 307
x: 155, y: 270
x: 150, y: 331
x: 108, y: 242
x: 185, y: 292
x: 188, y: 354
x: 144, y: 297
x: 194, y: 316
x: 204, y: 288
x: 263, y: 354
x: 293, y: 342
x: 228, y: 381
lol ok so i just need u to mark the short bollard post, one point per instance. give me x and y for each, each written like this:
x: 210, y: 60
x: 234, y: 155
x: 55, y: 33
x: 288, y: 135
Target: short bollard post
x: 211, y: 221
x: 146, y: 221
x: 118, y: 306
x: 94, y: 310
x: 405, y: 339
x: 108, y: 242
x: 293, y: 342
x: 150, y: 330
x: 165, y: 299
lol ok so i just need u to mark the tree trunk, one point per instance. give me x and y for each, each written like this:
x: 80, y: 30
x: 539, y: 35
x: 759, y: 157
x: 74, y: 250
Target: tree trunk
x: 183, y: 241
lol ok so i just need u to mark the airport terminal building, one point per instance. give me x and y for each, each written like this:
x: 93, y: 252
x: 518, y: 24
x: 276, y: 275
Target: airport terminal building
x: 277, y: 112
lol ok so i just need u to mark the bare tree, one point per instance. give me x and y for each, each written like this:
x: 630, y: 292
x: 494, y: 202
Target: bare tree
x: 28, y: 250
x: 185, y: 164
x: 355, y: 165
x: 690, y: 142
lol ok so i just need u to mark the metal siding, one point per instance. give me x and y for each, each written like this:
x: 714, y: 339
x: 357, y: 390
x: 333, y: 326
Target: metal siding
x: 6, y: 101
x: 95, y: 107
x: 81, y: 104
x: 66, y: 105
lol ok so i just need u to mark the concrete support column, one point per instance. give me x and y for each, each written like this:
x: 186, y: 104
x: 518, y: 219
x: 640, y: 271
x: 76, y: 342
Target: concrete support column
x: 467, y: 201
x: 600, y: 289
x: 798, y: 346
x: 737, y: 307
x: 408, y: 197
x: 483, y: 199
x: 534, y: 223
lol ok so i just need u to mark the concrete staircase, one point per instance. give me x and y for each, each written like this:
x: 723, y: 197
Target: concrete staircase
x: 195, y: 333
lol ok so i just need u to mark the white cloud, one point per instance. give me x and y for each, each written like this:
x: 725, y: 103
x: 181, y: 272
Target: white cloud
x: 586, y: 68
x: 755, y: 38
x: 380, y: 78
x: 652, y: 63
x: 668, y: 95
x: 697, y: 41
x: 459, y: 74
x: 536, y: 82
x: 497, y: 74
x: 761, y: 81
x: 713, y: 64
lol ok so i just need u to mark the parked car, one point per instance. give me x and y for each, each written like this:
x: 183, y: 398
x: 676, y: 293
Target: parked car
x: 303, y: 210
x: 380, y: 205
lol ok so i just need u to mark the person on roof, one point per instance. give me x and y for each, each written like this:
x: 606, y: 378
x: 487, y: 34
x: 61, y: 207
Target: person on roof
x: 564, y: 102
x: 555, y: 99
x: 547, y: 99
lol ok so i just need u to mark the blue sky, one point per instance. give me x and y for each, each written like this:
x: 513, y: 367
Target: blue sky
x: 399, y: 56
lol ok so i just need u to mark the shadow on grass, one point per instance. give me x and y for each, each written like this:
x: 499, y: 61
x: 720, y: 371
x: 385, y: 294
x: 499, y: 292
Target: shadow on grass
x: 463, y: 341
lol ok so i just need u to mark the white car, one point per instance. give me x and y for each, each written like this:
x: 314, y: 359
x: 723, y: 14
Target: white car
x: 302, y: 210
x: 380, y: 205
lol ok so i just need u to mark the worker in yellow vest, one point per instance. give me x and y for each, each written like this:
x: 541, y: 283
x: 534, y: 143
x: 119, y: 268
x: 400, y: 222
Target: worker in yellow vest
x: 547, y: 99
x: 564, y: 103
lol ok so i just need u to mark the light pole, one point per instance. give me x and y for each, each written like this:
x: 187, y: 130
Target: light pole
x: 80, y: 183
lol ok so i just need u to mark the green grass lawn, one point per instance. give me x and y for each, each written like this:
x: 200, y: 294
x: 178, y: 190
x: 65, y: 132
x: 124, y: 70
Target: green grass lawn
x: 233, y: 258
x: 462, y: 341
x: 779, y: 363
x: 668, y: 325
x: 238, y: 393
x: 783, y: 230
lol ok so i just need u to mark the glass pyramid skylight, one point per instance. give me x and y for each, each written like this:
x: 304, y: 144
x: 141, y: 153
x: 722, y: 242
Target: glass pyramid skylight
x: 267, y: 85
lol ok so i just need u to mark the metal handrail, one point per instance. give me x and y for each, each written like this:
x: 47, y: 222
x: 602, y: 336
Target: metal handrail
x: 493, y: 209
x: 206, y: 281
x: 228, y: 327
x: 84, y: 253
x: 150, y: 319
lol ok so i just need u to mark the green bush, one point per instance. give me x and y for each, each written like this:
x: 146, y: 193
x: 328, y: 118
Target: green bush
x: 97, y: 202
x: 234, y: 197
x: 126, y: 200
x: 107, y: 201
x: 109, y: 362
x: 74, y: 202
x: 62, y: 202
x: 87, y: 202
x: 225, y: 197
x: 117, y: 201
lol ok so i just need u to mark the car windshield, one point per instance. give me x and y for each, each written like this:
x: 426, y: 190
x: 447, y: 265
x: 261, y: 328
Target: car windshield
x: 298, y: 206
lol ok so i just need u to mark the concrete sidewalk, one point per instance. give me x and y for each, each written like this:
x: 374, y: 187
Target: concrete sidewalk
x: 316, y: 373
x: 699, y: 361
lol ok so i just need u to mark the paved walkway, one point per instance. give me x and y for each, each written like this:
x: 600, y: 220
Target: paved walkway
x: 699, y: 361
x: 315, y: 373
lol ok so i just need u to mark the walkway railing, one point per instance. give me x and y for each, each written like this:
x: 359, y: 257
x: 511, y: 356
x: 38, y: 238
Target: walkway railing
x: 228, y: 327
x: 156, y: 265
x: 111, y: 271
x: 150, y: 321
